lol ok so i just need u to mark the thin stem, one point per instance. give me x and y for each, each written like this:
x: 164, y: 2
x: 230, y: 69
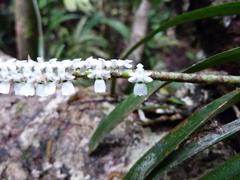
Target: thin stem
x: 181, y: 77
x: 40, y: 31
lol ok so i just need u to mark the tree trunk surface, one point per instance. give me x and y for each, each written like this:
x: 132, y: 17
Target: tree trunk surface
x: 26, y: 29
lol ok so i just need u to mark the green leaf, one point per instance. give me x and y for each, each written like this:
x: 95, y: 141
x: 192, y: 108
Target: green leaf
x: 119, y: 27
x: 175, y: 100
x: 172, y: 140
x: 219, y: 10
x: 117, y: 115
x: 63, y: 18
x: 232, y: 55
x: 94, y: 21
x: 229, y: 170
x: 193, y: 148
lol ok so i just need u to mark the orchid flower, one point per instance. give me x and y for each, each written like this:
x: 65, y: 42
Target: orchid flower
x: 99, y: 74
x: 140, y: 77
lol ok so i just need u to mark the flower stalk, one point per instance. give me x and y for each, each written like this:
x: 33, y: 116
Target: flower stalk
x: 185, y: 77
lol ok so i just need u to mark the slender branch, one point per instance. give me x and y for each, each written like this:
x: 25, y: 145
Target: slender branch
x: 179, y: 77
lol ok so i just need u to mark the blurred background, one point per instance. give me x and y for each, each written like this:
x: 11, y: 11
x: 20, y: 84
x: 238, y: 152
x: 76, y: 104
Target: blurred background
x: 70, y: 29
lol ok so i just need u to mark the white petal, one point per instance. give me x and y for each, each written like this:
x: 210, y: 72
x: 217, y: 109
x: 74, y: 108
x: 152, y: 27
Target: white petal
x: 92, y: 75
x: 17, y: 87
x: 147, y: 79
x: 127, y: 64
x: 4, y: 87
x: 27, y: 89
x: 140, y: 89
x: 99, y: 86
x: 50, y: 88
x: 40, y: 90
x: 67, y: 88
x: 132, y: 79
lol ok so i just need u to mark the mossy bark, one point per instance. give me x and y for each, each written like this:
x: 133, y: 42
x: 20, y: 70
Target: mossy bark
x: 26, y: 29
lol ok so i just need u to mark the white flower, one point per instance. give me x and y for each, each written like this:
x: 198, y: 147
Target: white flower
x: 99, y: 72
x: 40, y: 90
x: 40, y: 59
x: 15, y: 75
x: 108, y: 65
x: 3, y: 71
x: 90, y: 63
x: 61, y: 71
x: 140, y: 77
x: 27, y: 70
x: 50, y: 88
x: 124, y: 63
x: 4, y: 87
x: 121, y: 64
x: 27, y: 89
x: 38, y: 75
x: 17, y: 87
x: 77, y: 64
x: 50, y: 75
x: 99, y: 86
x: 67, y: 88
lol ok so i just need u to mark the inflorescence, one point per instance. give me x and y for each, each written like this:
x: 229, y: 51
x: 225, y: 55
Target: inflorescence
x: 41, y: 77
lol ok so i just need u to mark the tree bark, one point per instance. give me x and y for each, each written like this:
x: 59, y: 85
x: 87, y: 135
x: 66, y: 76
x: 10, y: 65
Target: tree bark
x: 26, y: 29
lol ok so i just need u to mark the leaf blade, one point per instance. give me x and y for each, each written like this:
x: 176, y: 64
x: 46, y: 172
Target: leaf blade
x: 229, y: 170
x: 182, y: 153
x: 117, y: 115
x: 172, y: 140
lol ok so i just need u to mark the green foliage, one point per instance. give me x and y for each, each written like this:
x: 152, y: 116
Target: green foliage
x: 133, y: 101
x: 83, y: 38
x: 230, y: 170
x: 119, y: 27
x: 174, y: 138
x: 83, y: 5
x: 220, y: 10
x: 167, y: 153
x: 73, y: 28
x: 187, y: 150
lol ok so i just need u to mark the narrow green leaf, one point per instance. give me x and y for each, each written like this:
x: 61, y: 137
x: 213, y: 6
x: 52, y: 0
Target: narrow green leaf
x: 119, y: 27
x: 232, y: 55
x: 229, y: 170
x: 93, y: 21
x: 117, y: 115
x: 193, y: 148
x: 175, y: 100
x: 172, y: 140
x: 219, y: 10
x: 63, y: 18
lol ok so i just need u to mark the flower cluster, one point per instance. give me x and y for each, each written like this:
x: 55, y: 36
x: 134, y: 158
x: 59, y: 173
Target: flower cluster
x: 41, y: 77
